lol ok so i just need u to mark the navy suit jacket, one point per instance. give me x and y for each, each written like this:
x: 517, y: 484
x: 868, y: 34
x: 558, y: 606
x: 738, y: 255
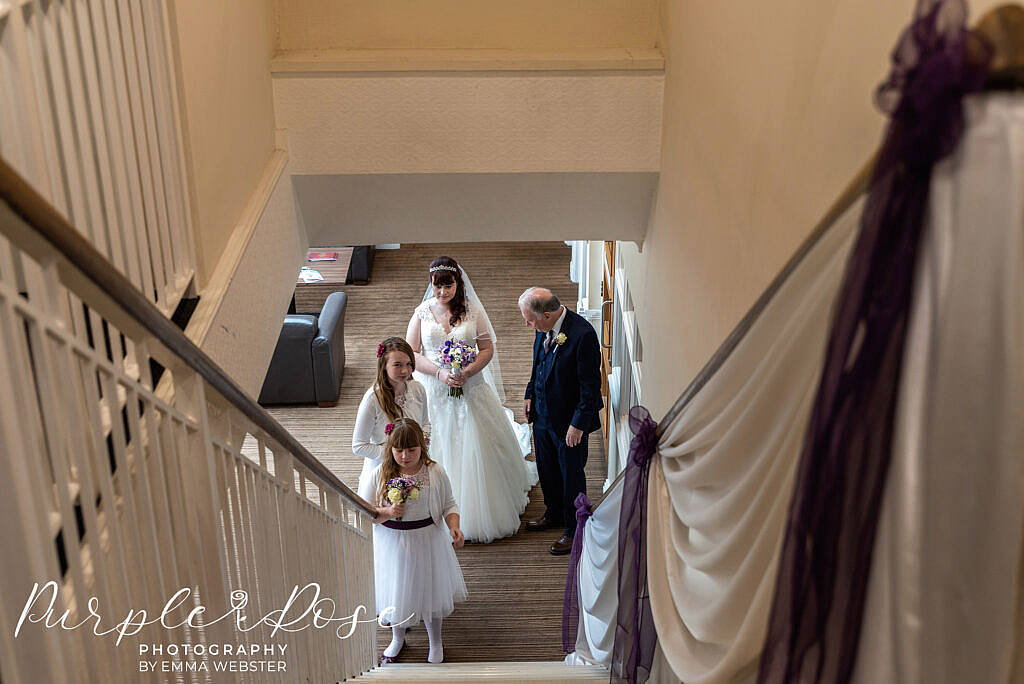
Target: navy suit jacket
x: 573, y: 383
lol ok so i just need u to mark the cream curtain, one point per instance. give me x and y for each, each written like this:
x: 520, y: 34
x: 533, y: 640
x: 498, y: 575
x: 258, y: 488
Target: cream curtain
x: 720, y: 489
x: 946, y: 592
x: 598, y: 585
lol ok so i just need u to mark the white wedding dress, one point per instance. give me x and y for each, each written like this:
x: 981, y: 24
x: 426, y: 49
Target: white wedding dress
x: 474, y: 438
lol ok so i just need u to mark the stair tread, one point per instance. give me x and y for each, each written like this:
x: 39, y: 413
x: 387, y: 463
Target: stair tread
x: 496, y: 671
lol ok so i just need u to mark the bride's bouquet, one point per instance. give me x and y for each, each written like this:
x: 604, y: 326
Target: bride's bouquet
x: 402, y: 489
x: 456, y: 355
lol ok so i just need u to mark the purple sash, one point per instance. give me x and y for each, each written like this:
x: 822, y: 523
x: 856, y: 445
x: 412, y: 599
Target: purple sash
x: 408, y: 524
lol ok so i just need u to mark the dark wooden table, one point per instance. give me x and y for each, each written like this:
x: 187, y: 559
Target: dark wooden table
x: 334, y: 272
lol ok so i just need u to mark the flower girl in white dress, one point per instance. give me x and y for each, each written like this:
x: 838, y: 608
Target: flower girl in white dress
x: 416, y: 573
x: 473, y: 435
x: 393, y: 395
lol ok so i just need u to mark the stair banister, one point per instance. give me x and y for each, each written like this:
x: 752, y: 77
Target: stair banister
x: 49, y: 225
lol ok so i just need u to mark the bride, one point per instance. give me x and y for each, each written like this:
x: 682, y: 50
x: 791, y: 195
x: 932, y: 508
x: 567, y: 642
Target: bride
x: 474, y: 436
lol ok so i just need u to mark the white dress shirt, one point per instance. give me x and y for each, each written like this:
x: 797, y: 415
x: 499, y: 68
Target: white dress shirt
x: 558, y: 326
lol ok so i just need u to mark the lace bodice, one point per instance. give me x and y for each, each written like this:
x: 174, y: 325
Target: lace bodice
x: 432, y: 334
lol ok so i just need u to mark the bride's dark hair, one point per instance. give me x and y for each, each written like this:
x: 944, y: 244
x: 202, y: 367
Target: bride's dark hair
x: 446, y: 276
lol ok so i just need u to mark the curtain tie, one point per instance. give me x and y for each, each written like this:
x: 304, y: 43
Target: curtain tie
x: 570, y: 606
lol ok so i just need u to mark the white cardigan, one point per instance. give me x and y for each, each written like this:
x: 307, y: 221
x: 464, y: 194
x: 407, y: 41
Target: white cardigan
x: 442, y: 498
x: 368, y: 438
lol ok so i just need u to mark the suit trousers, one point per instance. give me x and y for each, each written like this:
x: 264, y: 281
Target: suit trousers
x: 561, y: 475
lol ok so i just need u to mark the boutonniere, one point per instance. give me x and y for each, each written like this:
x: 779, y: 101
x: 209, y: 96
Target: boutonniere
x: 560, y: 339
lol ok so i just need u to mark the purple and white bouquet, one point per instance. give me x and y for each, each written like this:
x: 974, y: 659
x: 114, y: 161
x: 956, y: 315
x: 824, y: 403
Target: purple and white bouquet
x: 456, y: 355
x: 402, y: 489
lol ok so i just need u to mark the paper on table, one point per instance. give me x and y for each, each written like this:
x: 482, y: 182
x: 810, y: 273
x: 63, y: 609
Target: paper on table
x: 310, y: 275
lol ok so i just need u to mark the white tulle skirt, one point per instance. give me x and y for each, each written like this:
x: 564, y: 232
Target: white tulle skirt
x: 416, y: 573
x: 483, y: 452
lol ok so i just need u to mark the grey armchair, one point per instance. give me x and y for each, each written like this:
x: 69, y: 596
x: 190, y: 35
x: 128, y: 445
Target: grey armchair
x: 309, y: 360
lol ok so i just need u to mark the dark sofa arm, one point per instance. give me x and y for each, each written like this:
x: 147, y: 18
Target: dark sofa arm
x: 329, y: 349
x: 289, y: 378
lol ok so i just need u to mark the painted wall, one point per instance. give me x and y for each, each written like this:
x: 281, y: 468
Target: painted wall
x: 239, y: 330
x: 523, y: 24
x: 486, y: 122
x: 768, y: 114
x: 472, y: 156
x: 474, y: 207
x: 222, y: 53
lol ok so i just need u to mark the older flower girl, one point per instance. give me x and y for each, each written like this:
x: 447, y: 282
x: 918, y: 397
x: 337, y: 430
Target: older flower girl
x: 416, y: 573
x: 393, y: 395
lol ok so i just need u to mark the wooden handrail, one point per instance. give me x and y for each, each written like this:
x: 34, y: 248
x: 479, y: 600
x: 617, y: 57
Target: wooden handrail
x: 50, y: 225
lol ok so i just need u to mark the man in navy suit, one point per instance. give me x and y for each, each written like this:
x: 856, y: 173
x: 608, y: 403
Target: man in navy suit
x: 562, y: 401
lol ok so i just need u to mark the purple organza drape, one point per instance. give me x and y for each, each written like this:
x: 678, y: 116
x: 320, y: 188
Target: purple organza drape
x: 570, y: 605
x: 635, y: 638
x: 820, y: 589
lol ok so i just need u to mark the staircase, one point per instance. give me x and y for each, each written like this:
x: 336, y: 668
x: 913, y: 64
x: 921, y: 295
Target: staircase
x: 135, y: 464
x: 540, y: 672
x: 127, y: 489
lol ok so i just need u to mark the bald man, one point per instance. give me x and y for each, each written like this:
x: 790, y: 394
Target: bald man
x: 563, y: 401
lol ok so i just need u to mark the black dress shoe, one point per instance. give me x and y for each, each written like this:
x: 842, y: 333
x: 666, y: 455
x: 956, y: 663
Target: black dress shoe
x: 538, y: 524
x: 561, y: 547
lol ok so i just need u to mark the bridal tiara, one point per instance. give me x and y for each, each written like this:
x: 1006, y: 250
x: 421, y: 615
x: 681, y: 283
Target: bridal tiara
x: 444, y: 268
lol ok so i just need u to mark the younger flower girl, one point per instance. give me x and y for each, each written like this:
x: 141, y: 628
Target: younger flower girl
x: 416, y: 573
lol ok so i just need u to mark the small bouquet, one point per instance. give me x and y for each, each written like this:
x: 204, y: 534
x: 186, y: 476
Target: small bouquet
x: 402, y: 489
x: 456, y: 355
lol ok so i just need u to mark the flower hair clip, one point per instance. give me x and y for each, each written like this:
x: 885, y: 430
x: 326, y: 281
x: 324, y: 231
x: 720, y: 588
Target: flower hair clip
x: 380, y: 350
x: 389, y: 428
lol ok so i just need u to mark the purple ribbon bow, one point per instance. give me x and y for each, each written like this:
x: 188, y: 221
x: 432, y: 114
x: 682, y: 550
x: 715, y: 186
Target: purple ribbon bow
x: 635, y: 638
x: 570, y: 607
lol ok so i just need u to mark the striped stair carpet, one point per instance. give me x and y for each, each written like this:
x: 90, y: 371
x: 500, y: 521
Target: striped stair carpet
x: 536, y: 672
